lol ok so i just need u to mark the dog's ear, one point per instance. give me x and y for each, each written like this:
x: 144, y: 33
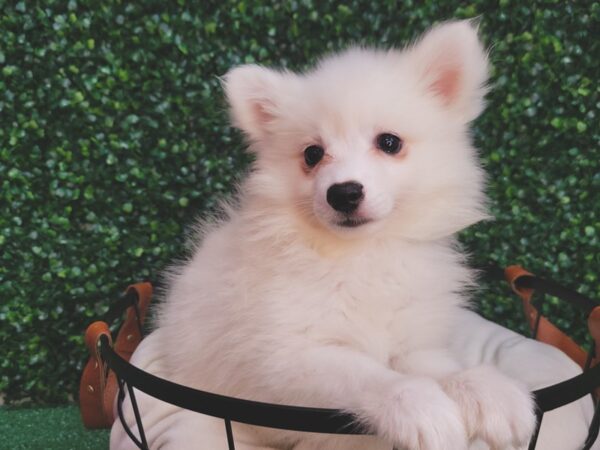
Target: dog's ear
x: 252, y: 92
x: 453, y: 66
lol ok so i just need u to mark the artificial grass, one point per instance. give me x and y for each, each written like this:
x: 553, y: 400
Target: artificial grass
x: 48, y: 429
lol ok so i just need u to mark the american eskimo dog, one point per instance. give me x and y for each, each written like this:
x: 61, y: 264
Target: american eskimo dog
x: 335, y: 279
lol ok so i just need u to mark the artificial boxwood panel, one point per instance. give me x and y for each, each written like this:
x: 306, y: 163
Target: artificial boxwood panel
x: 113, y: 137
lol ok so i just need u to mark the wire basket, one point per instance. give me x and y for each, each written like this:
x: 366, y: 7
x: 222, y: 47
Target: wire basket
x: 109, y: 374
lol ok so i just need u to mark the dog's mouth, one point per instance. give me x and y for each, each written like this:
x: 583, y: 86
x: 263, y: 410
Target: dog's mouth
x: 351, y: 222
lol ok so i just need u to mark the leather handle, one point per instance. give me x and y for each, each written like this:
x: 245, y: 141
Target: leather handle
x: 94, y: 381
x: 144, y: 292
x: 512, y: 274
x: 92, y: 336
x: 98, y: 386
x: 129, y: 336
x: 547, y: 332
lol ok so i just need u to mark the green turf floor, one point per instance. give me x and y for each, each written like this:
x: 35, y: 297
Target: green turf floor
x: 47, y: 429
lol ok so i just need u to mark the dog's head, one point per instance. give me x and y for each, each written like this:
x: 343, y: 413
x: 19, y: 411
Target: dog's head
x: 371, y: 141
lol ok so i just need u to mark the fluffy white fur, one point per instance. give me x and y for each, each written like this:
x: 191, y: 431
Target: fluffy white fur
x: 281, y: 304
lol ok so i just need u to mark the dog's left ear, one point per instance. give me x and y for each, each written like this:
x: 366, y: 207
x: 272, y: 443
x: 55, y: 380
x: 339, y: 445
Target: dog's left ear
x: 252, y: 92
x: 453, y: 67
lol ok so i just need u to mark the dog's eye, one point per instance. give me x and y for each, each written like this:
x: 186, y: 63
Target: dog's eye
x: 313, y: 154
x: 389, y: 143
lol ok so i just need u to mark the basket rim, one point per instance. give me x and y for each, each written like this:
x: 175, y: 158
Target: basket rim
x: 299, y: 418
x: 271, y: 415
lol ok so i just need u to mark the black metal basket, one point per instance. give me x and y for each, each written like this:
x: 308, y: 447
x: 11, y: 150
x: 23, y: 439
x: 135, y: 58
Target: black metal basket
x: 318, y: 420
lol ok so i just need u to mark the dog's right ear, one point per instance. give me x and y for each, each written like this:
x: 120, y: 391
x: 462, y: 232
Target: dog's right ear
x: 252, y: 92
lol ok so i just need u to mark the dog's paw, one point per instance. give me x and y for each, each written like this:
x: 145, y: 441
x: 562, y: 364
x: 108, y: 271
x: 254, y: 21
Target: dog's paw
x: 495, y: 408
x: 416, y: 414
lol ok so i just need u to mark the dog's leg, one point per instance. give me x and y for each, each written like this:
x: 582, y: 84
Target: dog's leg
x: 495, y: 408
x: 410, y: 412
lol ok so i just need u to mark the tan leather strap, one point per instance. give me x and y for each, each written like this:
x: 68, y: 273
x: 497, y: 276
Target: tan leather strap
x: 546, y: 331
x: 129, y: 335
x: 93, y: 380
x: 98, y: 387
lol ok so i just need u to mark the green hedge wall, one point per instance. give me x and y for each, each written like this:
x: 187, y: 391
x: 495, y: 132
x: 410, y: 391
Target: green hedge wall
x: 114, y: 137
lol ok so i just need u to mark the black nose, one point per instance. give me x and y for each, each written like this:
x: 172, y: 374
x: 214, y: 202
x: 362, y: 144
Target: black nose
x: 345, y: 197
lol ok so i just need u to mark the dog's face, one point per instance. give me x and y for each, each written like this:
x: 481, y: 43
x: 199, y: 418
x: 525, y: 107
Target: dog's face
x: 370, y: 141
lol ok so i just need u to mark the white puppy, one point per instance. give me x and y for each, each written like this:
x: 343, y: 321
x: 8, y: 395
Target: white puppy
x: 335, y: 280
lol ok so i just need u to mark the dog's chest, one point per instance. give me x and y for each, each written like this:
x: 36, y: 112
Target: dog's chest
x: 379, y: 307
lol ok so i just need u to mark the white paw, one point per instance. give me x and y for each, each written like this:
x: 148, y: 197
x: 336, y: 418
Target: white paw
x: 495, y: 408
x: 416, y: 414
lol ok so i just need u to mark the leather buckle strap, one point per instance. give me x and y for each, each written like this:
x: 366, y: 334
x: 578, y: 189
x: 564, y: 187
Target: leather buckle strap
x: 98, y: 386
x: 543, y: 330
x: 95, y: 411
